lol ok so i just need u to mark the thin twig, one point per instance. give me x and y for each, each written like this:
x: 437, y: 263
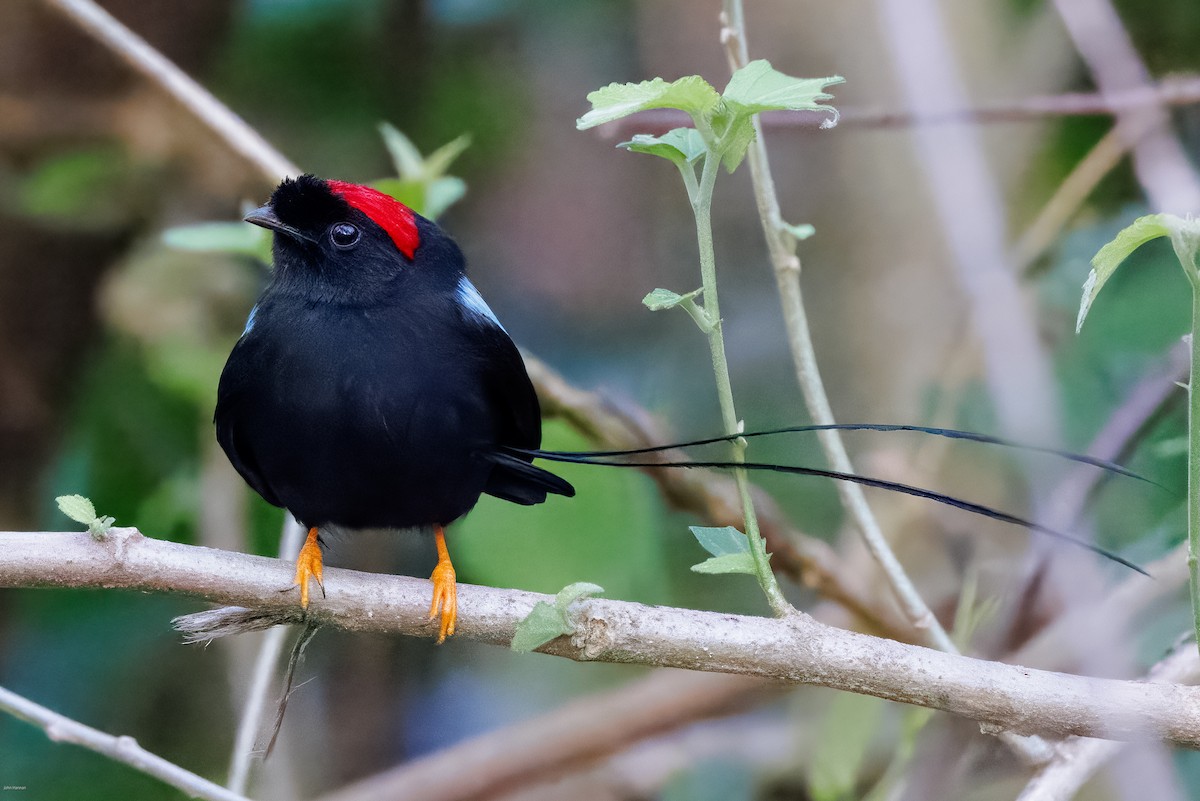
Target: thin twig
x: 1070, y: 195
x: 782, y: 249
x: 243, y: 139
x: 1159, y: 158
x: 1078, y: 759
x: 794, y: 650
x: 124, y: 749
x: 269, y: 653
x: 1176, y: 91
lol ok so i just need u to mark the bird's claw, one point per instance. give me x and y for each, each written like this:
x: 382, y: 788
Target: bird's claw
x: 445, y: 599
x: 309, y: 565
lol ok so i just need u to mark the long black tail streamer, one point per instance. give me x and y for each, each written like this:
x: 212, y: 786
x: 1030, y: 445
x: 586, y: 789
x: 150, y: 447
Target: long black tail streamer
x: 949, y: 433
x: 867, y: 481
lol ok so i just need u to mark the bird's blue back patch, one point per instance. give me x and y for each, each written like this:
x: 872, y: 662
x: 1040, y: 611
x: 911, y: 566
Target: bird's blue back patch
x: 250, y: 320
x: 470, y: 299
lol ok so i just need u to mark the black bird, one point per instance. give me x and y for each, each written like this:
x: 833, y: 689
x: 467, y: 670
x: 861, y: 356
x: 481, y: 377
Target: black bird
x: 373, y: 387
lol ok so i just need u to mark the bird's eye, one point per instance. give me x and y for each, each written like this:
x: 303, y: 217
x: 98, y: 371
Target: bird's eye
x: 344, y: 235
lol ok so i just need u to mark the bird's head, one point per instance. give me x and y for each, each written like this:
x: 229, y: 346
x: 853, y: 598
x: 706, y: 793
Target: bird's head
x: 344, y: 242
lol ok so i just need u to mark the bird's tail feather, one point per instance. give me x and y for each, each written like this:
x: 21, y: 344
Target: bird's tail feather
x: 621, y: 459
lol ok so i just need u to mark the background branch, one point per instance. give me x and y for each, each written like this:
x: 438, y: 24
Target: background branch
x: 124, y: 749
x: 566, y: 738
x: 134, y: 50
x: 1077, y: 759
x: 1159, y: 159
x: 1179, y: 90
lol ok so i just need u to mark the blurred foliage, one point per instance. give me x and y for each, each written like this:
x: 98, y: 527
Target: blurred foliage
x: 96, y: 188
x: 317, y: 78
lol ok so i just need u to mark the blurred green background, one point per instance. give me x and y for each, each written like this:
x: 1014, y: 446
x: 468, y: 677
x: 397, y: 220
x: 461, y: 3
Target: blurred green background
x: 111, y: 342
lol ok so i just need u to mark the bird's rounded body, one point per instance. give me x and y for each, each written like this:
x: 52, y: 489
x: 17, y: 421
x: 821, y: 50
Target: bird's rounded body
x: 373, y: 387
x: 365, y: 416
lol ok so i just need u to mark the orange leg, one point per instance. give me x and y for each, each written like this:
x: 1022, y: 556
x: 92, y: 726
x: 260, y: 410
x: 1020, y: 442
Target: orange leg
x: 309, y: 565
x: 445, y: 589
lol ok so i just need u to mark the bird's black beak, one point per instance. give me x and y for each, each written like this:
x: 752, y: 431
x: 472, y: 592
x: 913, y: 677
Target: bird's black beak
x: 265, y: 217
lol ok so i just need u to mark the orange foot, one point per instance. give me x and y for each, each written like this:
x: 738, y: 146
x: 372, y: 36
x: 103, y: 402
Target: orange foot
x: 309, y: 565
x: 445, y: 589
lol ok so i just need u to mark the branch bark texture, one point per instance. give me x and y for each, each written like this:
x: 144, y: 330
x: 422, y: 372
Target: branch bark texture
x: 794, y: 650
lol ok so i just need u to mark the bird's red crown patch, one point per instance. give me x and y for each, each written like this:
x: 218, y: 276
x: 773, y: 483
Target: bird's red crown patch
x: 385, y: 211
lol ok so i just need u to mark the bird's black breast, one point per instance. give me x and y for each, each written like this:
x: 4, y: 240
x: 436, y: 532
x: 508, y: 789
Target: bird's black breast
x: 372, y: 417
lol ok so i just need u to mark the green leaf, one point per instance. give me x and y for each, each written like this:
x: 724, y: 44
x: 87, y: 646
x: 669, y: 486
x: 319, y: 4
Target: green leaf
x: 422, y: 184
x: 692, y: 94
x: 736, y: 140
x: 540, y: 626
x: 405, y: 156
x: 727, y: 563
x: 221, y: 237
x: 440, y: 160
x: 77, y: 507
x: 441, y: 194
x: 99, y: 527
x: 1169, y: 448
x: 720, y: 541
x: 798, y: 232
x: 660, y: 299
x: 409, y: 191
x: 574, y: 592
x: 546, y: 621
x: 1110, y: 257
x: 680, y: 145
x: 760, y: 87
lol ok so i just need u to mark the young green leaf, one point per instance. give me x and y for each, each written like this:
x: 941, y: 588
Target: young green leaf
x: 440, y: 160
x: 81, y: 510
x: 1185, y: 235
x: 441, y: 194
x: 720, y: 541
x: 760, y: 87
x: 798, y: 232
x: 729, y: 547
x: 540, y: 626
x: 99, y: 527
x: 680, y: 145
x: 735, y: 141
x: 727, y: 563
x: 548, y: 621
x: 571, y: 593
x: 660, y: 299
x: 1110, y: 257
x: 221, y: 237
x: 692, y: 94
x: 409, y: 191
x: 405, y: 156
x: 77, y: 507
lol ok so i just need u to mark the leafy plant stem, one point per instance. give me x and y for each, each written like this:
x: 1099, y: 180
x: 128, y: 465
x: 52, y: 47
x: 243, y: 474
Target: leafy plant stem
x: 1193, y: 494
x: 702, y: 209
x: 1184, y: 241
x: 782, y: 249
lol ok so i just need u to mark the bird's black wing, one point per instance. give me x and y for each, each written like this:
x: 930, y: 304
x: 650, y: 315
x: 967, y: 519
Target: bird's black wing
x: 230, y: 418
x: 509, y: 396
